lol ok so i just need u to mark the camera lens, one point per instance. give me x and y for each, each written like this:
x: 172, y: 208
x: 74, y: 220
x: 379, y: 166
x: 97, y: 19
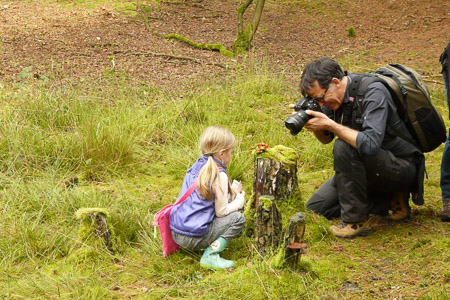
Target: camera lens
x: 296, y: 122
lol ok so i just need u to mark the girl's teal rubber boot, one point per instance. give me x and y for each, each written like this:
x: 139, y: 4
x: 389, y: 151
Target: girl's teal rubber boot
x: 211, y: 258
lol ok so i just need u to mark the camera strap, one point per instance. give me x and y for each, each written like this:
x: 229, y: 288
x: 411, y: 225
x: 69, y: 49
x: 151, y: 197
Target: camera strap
x: 351, y: 115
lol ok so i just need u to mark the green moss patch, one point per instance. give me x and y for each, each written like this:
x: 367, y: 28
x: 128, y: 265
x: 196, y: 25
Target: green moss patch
x: 280, y: 153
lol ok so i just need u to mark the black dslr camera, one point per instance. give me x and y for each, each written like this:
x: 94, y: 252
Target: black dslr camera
x: 298, y: 120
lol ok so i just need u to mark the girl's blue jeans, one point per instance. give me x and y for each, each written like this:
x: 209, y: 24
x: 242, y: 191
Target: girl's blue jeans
x: 445, y: 164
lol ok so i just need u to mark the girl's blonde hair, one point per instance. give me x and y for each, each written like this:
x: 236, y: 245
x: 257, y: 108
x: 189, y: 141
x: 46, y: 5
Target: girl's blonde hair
x: 213, y: 140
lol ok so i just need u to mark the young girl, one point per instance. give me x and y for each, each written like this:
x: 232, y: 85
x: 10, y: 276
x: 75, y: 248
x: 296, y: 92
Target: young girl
x: 209, y: 217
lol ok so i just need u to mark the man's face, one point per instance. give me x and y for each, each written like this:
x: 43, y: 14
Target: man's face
x: 330, y: 97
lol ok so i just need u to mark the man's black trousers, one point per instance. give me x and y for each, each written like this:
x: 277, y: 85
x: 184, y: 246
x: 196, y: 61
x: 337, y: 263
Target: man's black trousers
x: 362, y: 184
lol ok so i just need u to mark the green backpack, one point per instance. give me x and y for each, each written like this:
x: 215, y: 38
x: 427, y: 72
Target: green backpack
x: 411, y: 96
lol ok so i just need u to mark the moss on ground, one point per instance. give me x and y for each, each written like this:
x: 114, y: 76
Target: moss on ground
x: 249, y: 214
x: 87, y: 230
x: 215, y: 47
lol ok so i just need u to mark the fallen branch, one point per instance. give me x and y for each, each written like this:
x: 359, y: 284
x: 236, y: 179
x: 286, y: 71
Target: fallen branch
x: 206, y: 17
x: 433, y: 81
x: 432, y: 75
x: 217, y: 64
x: 396, y: 20
x: 169, y: 56
x: 157, y: 54
x: 184, y: 2
x: 75, y: 54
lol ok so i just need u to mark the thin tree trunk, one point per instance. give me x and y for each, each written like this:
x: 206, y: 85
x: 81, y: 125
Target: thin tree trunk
x: 241, y: 11
x: 245, y: 36
x: 257, y: 16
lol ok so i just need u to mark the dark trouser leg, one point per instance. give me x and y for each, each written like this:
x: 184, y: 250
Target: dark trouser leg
x: 356, y: 174
x: 351, y: 182
x: 445, y: 171
x: 445, y: 164
x: 324, y: 201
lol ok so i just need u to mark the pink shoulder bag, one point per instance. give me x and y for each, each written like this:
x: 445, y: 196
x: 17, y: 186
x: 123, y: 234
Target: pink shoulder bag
x: 162, y: 219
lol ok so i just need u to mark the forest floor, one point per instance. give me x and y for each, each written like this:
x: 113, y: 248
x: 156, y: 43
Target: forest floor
x: 80, y: 39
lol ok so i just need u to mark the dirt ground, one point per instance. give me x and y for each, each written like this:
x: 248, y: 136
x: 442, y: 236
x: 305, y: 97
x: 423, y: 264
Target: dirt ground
x: 62, y: 39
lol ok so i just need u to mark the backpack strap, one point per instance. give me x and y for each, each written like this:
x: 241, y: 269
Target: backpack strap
x: 187, y: 193
x: 403, y: 102
x: 357, y: 91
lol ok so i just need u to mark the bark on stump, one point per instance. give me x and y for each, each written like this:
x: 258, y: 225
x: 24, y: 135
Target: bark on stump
x: 267, y: 225
x: 275, y: 178
x: 293, y: 240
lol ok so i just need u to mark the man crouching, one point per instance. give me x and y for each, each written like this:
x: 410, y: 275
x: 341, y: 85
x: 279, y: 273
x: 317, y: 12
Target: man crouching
x: 375, y: 169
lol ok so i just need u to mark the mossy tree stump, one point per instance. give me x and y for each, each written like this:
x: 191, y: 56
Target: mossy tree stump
x: 293, y: 240
x: 268, y: 225
x: 94, y: 228
x: 275, y: 174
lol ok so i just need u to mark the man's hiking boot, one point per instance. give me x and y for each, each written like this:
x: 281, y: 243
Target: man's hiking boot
x: 400, y: 207
x: 445, y: 213
x: 211, y: 258
x: 351, y: 230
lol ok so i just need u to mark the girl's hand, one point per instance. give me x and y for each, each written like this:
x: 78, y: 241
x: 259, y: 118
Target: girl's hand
x: 240, y: 197
x: 236, y: 185
x: 233, y: 195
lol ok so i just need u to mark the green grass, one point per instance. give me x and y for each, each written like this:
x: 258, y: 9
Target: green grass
x: 130, y: 145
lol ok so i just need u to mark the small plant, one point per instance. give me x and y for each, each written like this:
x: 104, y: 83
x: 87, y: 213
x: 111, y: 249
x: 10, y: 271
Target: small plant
x: 112, y: 59
x: 351, y: 32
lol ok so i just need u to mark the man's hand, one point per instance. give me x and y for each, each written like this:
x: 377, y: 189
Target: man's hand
x: 318, y: 122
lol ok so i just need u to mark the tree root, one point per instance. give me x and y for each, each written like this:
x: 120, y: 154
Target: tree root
x: 213, y: 47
